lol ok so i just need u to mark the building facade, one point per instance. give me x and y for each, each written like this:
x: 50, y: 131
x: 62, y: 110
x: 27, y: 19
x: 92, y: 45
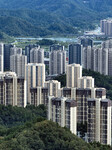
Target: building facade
x: 37, y: 55
x: 56, y: 47
x: 98, y: 59
x: 7, y: 48
x: 75, y: 54
x: 74, y: 72
x: 86, y: 82
x: 28, y: 49
x: 63, y: 111
x: 35, y: 76
x: 15, y: 51
x: 87, y: 57
x: 12, y: 90
x: 39, y: 96
x: 53, y: 87
x: 81, y: 95
x: 57, y: 62
x: 1, y: 57
x: 17, y: 64
x: 85, y: 42
x: 99, y: 120
x: 106, y: 27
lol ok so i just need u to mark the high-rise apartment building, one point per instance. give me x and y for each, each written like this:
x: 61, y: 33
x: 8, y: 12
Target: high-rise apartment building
x: 107, y: 44
x: 64, y: 112
x: 15, y: 51
x: 35, y: 76
x: 86, y: 82
x: 91, y: 108
x: 106, y: 26
x: 92, y: 58
x: 56, y: 47
x: 87, y: 57
x: 69, y: 93
x: 53, y: 87
x: 99, y: 120
x: 12, y: 89
x: 98, y: 59
x: 103, y: 25
x: 75, y: 54
x: 57, y: 63
x: 1, y: 57
x: 37, y: 55
x: 7, y: 48
x: 107, y: 57
x: 39, y: 95
x: 110, y: 62
x: 81, y: 95
x: 17, y: 64
x: 87, y: 42
x: 28, y: 49
x: 74, y: 72
x: 105, y: 61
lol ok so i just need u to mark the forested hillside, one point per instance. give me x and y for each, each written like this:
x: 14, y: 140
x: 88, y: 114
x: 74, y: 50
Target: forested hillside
x: 36, y: 133
x: 46, y: 17
x: 51, y: 17
x: 15, y: 116
x: 54, y: 5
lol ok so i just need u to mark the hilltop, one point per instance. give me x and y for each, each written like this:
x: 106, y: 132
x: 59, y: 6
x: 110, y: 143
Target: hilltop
x: 45, y: 135
x: 28, y: 129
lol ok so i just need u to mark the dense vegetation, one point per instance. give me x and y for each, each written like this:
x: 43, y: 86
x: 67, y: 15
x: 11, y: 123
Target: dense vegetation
x: 46, y: 42
x: 100, y: 80
x: 5, y: 38
x: 51, y: 17
x: 62, y: 79
x: 14, y: 116
x: 28, y: 129
x: 45, y: 135
x: 14, y: 26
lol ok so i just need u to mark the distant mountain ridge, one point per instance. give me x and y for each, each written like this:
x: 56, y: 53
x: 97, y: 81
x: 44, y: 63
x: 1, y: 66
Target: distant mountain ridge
x: 38, y: 4
x: 98, y: 5
x: 52, y: 5
x: 51, y: 17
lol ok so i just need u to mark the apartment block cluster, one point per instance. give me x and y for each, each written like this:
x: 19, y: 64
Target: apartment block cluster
x: 24, y: 82
x: 97, y: 58
x: 80, y: 102
x: 23, y: 72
